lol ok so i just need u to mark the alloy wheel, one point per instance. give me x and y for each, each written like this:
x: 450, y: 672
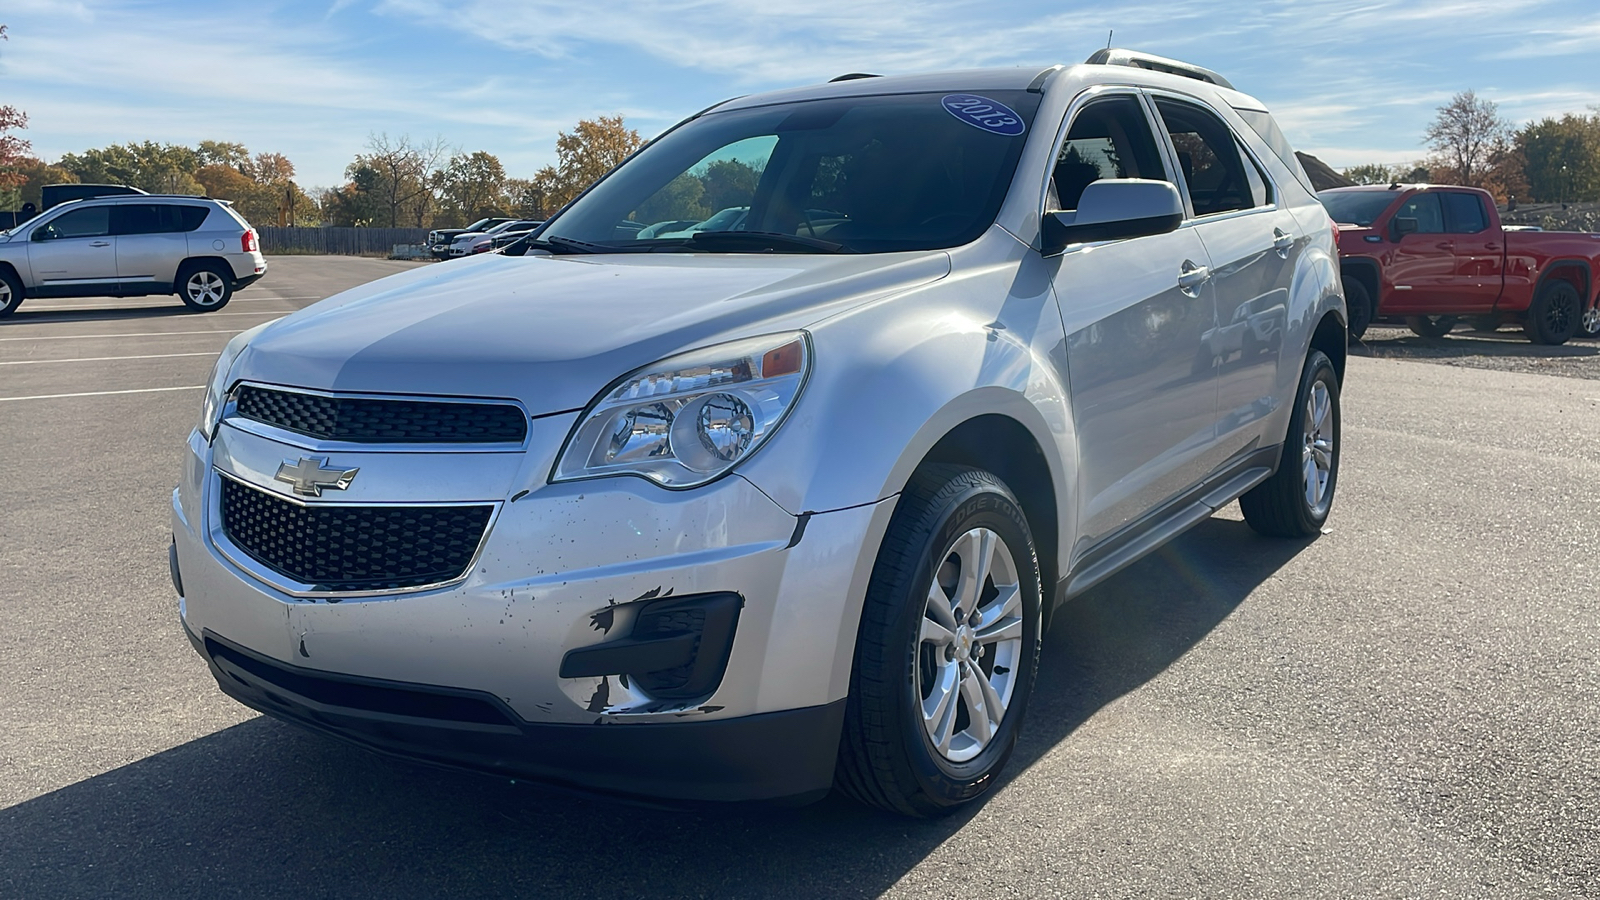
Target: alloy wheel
x: 205, y: 288
x: 5, y: 294
x: 1591, y: 322
x: 970, y: 646
x: 1318, y: 448
x: 1559, y: 316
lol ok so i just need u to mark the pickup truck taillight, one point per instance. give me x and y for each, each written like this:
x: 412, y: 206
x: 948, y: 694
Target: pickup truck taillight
x: 248, y: 242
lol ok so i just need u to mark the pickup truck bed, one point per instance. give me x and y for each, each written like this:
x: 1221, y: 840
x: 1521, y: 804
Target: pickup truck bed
x: 1432, y: 254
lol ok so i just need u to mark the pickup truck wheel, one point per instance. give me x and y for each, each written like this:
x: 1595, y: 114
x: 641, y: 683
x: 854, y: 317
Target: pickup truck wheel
x: 1295, y: 501
x: 948, y: 647
x: 10, y: 293
x: 205, y: 286
x: 1431, y: 326
x: 1555, y: 315
x: 1358, y: 306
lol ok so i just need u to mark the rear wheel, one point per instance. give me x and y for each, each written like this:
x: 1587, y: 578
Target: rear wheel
x: 1555, y: 315
x: 948, y: 647
x: 1431, y: 326
x: 205, y: 287
x: 1295, y: 501
x: 10, y: 293
x: 1359, y: 307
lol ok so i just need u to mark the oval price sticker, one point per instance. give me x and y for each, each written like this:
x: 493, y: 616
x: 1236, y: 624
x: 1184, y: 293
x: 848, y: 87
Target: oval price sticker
x: 981, y: 112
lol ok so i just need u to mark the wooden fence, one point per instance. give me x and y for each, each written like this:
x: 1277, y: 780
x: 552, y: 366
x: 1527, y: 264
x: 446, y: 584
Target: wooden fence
x: 338, y: 241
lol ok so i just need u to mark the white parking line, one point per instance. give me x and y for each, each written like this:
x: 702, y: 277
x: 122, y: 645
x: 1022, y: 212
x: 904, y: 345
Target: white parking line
x: 187, y: 387
x: 82, y: 337
x: 36, y: 362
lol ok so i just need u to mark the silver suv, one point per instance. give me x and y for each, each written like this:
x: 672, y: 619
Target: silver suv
x: 741, y: 510
x: 198, y: 248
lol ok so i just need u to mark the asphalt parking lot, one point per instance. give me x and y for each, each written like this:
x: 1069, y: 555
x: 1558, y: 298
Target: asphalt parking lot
x: 1404, y: 707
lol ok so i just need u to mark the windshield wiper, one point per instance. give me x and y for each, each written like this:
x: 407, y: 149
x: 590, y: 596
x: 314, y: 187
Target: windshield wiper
x: 558, y: 244
x: 759, y: 242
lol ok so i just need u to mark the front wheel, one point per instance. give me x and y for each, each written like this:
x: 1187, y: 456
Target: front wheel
x: 1359, y: 307
x: 1431, y: 326
x: 205, y: 287
x: 1295, y: 501
x: 1590, y: 326
x: 10, y: 293
x: 948, y: 647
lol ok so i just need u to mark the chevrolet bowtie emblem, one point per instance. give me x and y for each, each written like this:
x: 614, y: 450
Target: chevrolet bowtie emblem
x: 310, y: 475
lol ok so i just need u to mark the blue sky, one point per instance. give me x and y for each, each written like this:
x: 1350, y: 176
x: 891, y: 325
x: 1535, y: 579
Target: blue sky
x: 1350, y: 81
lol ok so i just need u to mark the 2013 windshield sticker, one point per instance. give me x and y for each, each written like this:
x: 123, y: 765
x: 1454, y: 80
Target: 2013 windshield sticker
x: 981, y: 112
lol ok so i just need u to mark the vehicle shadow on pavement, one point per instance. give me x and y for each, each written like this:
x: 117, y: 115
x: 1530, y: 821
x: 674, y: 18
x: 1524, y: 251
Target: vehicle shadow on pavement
x: 262, y: 809
x: 1386, y: 343
x: 25, y: 316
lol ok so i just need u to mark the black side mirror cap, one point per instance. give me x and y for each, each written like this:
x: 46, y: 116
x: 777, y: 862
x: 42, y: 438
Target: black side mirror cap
x: 1114, y: 209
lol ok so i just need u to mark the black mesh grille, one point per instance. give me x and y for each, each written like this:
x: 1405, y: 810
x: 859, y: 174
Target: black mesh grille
x: 370, y: 421
x: 353, y: 548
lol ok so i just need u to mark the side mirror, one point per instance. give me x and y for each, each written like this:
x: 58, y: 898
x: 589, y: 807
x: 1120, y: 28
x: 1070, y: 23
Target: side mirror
x: 1114, y: 209
x: 42, y: 233
x: 1400, y: 226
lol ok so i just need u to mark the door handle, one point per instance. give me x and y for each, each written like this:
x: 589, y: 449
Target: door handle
x: 1282, y: 241
x: 99, y: 243
x: 1191, y: 277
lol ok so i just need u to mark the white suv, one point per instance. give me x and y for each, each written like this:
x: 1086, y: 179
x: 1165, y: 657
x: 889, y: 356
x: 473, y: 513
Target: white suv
x: 746, y: 514
x: 130, y: 246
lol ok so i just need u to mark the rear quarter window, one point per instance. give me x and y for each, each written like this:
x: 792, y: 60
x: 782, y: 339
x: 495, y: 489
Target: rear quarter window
x: 190, y: 218
x: 1267, y: 129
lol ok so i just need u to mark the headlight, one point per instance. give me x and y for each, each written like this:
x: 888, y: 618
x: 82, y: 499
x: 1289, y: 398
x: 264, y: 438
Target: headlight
x: 219, y: 382
x: 691, y: 418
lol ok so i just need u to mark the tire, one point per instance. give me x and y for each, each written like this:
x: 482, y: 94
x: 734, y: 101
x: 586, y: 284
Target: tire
x: 1555, y: 315
x: 1359, y: 308
x: 1295, y: 501
x: 1431, y: 326
x: 10, y: 292
x: 912, y: 652
x: 205, y: 286
x: 1589, y: 327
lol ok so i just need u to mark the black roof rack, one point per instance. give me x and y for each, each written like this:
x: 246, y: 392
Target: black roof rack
x: 1118, y: 57
x: 852, y: 76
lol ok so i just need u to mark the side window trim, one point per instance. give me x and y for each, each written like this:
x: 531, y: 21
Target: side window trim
x: 1171, y: 150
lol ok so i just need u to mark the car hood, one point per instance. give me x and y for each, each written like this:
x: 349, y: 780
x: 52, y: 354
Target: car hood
x: 552, y: 331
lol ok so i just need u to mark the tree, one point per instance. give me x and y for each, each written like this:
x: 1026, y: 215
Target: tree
x: 157, y: 168
x: 470, y: 186
x: 1467, y: 134
x: 400, y: 176
x: 525, y: 198
x: 729, y: 182
x: 1373, y: 173
x: 222, y: 153
x: 1562, y: 158
x: 583, y: 155
x: 13, y: 149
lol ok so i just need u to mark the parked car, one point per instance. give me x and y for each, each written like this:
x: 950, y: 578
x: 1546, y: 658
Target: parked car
x: 439, y: 239
x: 52, y: 195
x: 744, y: 515
x: 131, y: 246
x: 487, y: 242
x: 1432, y: 255
x: 461, y: 244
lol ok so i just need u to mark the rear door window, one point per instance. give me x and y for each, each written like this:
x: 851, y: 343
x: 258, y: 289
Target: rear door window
x: 1208, y: 153
x: 137, y: 218
x: 1464, y: 213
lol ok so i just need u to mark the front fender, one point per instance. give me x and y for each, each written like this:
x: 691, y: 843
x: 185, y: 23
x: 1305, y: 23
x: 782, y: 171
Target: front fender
x: 893, y: 377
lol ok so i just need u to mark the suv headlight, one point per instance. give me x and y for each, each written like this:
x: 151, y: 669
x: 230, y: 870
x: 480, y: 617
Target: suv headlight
x: 691, y: 418
x: 221, y: 379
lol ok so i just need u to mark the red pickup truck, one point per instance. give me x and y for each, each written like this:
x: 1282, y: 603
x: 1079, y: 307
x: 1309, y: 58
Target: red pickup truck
x: 1433, y: 254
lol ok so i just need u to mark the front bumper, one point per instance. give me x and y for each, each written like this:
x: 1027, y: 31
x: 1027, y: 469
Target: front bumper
x: 774, y: 757
x: 563, y: 568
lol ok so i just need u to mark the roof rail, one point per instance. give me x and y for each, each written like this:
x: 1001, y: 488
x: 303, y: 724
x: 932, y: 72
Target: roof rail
x: 852, y: 76
x: 1118, y: 57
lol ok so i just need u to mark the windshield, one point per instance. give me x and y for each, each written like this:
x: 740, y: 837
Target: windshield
x: 1356, y: 207
x: 849, y: 174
